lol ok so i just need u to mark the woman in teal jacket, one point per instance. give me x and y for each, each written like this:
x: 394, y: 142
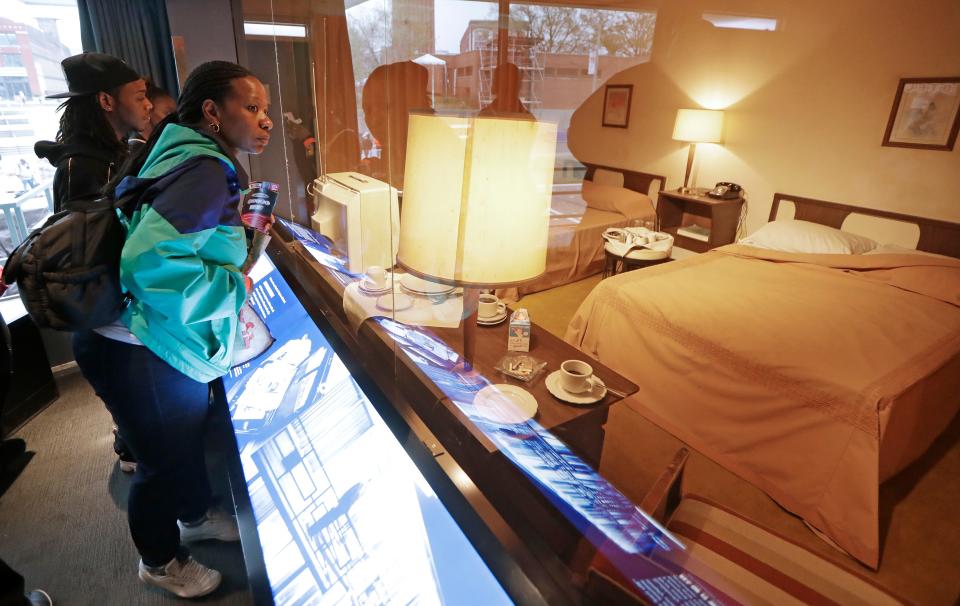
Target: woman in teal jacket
x: 180, y: 264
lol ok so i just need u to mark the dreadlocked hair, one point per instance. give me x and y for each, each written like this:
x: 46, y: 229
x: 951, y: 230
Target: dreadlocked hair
x: 211, y: 80
x: 83, y: 118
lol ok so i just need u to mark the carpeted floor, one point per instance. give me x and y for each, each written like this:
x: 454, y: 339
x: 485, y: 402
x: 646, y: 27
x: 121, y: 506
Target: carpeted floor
x: 552, y: 309
x: 63, y: 520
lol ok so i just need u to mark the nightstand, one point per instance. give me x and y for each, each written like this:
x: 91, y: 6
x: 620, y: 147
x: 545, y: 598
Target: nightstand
x: 721, y: 217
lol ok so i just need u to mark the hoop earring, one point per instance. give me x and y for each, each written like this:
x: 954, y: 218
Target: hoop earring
x: 215, y: 127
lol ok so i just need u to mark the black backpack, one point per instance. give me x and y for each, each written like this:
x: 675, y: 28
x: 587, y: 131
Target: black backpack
x: 68, y: 269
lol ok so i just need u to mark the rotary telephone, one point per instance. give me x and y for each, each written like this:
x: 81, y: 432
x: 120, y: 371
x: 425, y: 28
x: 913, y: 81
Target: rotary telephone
x: 726, y: 191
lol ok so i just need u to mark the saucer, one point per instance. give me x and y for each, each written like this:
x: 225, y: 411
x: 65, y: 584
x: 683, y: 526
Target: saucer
x: 394, y: 302
x: 506, y: 404
x: 369, y: 287
x: 492, y: 320
x: 588, y: 397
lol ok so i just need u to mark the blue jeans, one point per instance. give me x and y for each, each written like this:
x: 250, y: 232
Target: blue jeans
x: 161, y: 413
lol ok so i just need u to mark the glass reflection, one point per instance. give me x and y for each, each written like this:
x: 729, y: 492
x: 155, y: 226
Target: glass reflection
x: 552, y: 59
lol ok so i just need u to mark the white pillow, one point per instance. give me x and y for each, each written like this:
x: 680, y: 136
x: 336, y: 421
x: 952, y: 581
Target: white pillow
x: 806, y: 237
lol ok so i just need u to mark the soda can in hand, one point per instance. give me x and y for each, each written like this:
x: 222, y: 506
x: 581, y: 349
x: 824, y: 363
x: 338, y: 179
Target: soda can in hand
x: 258, y: 205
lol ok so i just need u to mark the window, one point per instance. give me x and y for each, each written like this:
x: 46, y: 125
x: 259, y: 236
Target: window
x: 253, y: 28
x: 765, y: 24
x: 11, y: 60
x: 38, y: 36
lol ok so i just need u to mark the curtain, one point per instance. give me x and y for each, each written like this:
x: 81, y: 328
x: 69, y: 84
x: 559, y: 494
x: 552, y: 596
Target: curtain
x: 137, y: 31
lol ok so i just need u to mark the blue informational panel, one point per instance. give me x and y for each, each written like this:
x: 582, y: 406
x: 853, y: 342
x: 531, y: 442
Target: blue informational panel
x: 343, y: 514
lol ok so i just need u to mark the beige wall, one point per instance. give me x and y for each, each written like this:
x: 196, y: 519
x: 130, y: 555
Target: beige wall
x: 806, y: 106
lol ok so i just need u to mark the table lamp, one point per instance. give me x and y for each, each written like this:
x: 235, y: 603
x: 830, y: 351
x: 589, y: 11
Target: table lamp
x: 697, y: 126
x: 476, y: 204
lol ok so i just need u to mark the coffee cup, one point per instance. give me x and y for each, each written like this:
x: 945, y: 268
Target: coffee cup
x: 489, y: 306
x: 377, y: 275
x: 576, y: 376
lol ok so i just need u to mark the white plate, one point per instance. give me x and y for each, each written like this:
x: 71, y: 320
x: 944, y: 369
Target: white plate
x: 507, y: 404
x: 587, y: 397
x: 424, y: 287
x: 394, y: 302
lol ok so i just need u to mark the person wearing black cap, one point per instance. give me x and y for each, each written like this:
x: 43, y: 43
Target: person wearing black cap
x: 106, y: 100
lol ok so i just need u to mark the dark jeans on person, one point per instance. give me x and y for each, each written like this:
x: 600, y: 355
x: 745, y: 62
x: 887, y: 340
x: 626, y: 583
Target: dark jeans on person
x: 161, y: 413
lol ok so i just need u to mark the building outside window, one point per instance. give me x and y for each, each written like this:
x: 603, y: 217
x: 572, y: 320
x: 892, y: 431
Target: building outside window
x: 35, y: 36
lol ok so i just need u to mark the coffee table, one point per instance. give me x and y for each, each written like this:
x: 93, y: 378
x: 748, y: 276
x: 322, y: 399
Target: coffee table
x: 635, y: 258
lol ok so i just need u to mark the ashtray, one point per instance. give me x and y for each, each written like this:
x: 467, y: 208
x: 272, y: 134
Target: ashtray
x: 521, y: 366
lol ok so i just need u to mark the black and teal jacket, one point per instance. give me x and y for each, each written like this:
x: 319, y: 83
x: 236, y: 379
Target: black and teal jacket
x: 183, y: 252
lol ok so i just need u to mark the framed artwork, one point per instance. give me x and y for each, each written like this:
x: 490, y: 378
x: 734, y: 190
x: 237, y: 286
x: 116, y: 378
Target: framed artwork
x: 925, y: 114
x: 616, y: 105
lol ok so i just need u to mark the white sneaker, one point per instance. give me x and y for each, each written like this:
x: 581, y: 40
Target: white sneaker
x: 187, y: 579
x: 219, y: 525
x: 39, y: 597
x: 128, y: 466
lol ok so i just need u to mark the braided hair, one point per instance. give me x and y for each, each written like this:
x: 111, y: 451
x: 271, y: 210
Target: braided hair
x: 83, y: 118
x: 211, y: 80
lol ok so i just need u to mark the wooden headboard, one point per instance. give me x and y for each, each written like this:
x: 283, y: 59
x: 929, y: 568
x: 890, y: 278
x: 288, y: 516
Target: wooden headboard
x: 936, y: 236
x: 632, y: 179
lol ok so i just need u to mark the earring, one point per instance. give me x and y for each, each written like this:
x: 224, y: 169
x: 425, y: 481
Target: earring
x: 215, y: 127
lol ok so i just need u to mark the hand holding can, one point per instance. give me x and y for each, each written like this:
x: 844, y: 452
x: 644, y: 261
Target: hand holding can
x: 257, y: 213
x: 257, y: 209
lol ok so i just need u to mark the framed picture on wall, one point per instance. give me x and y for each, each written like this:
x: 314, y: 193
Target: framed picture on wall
x: 925, y: 114
x: 616, y: 105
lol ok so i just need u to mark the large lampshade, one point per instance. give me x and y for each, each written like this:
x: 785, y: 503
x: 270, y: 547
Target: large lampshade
x: 698, y: 126
x: 476, y: 199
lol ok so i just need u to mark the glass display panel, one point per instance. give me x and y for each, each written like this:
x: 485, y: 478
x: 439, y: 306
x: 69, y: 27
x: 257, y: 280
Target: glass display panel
x: 427, y: 203
x: 343, y: 515
x: 628, y: 537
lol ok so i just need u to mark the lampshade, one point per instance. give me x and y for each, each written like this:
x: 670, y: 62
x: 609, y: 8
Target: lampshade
x: 698, y: 126
x: 476, y: 200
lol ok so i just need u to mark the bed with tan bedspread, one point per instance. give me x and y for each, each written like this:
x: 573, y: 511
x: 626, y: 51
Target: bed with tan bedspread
x: 578, y: 219
x: 815, y: 377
